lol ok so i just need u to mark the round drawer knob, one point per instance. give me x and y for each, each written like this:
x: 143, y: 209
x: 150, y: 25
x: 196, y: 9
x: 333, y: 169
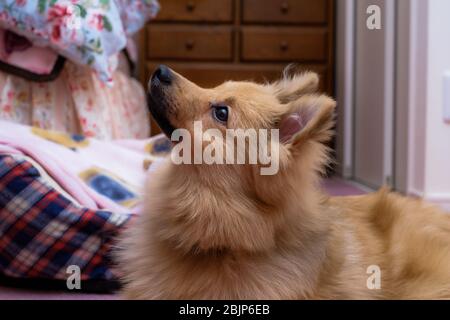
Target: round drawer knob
x: 284, y: 46
x: 284, y: 7
x: 190, y: 6
x: 189, y: 44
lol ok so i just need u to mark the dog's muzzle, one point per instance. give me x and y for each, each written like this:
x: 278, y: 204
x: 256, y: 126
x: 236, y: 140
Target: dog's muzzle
x: 160, y: 82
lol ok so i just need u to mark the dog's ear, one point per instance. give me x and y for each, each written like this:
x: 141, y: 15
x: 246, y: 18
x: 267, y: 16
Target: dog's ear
x: 309, y: 117
x: 290, y: 88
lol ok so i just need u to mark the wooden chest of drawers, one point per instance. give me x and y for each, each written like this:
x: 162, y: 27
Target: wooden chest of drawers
x: 210, y: 41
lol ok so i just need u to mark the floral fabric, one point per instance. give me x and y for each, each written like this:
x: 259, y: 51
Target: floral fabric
x: 77, y: 103
x: 89, y: 32
x: 134, y: 13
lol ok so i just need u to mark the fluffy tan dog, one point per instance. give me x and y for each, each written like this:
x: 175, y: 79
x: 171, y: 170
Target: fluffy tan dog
x: 228, y: 232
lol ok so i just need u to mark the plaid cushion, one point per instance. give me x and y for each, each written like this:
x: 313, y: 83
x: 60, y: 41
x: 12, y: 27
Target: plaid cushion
x: 42, y: 233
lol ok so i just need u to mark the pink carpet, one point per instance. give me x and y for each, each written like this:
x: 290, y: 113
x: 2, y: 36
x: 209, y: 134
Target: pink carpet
x: 20, y: 294
x: 334, y: 186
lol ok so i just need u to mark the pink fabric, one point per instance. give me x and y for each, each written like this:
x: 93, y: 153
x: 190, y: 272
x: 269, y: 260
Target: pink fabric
x: 5, y: 149
x: 68, y: 160
x: 7, y: 293
x: 132, y: 50
x: 77, y: 103
x: 68, y: 181
x: 36, y: 59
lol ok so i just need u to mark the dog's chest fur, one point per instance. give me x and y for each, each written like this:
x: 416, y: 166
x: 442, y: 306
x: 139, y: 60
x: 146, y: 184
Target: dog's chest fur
x: 313, y: 258
x: 329, y: 266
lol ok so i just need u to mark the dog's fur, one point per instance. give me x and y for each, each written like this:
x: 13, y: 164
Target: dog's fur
x: 227, y: 232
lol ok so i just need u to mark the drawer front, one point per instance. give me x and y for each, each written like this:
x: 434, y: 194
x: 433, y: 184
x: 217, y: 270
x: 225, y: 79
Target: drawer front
x: 208, y: 75
x: 285, y: 11
x: 196, y: 10
x: 189, y: 42
x: 284, y: 44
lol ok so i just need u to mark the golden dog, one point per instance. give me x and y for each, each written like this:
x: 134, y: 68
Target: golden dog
x: 228, y: 232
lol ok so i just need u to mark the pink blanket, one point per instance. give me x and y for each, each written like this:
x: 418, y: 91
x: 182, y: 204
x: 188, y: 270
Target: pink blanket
x: 97, y: 174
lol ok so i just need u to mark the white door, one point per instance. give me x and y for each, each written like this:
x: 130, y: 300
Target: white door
x: 374, y: 76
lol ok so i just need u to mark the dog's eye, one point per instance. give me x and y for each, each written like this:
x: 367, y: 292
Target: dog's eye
x: 220, y: 113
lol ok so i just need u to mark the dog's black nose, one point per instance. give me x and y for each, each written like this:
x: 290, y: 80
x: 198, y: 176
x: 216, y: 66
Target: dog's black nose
x: 163, y: 74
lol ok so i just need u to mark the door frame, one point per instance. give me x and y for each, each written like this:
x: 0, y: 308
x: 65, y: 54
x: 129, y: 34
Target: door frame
x: 410, y: 52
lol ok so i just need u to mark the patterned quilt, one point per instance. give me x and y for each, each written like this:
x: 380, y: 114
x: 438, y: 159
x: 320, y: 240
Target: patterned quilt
x: 65, y: 199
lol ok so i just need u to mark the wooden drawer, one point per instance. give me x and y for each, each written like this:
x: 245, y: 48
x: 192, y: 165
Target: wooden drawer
x: 196, y: 11
x: 285, y: 11
x: 213, y: 74
x: 185, y: 42
x: 284, y: 44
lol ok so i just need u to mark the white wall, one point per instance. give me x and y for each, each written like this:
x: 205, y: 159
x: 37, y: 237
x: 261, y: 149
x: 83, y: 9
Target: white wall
x: 423, y: 134
x: 437, y: 161
x: 422, y: 138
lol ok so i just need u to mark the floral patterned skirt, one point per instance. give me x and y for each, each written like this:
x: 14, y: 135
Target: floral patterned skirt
x: 77, y: 103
